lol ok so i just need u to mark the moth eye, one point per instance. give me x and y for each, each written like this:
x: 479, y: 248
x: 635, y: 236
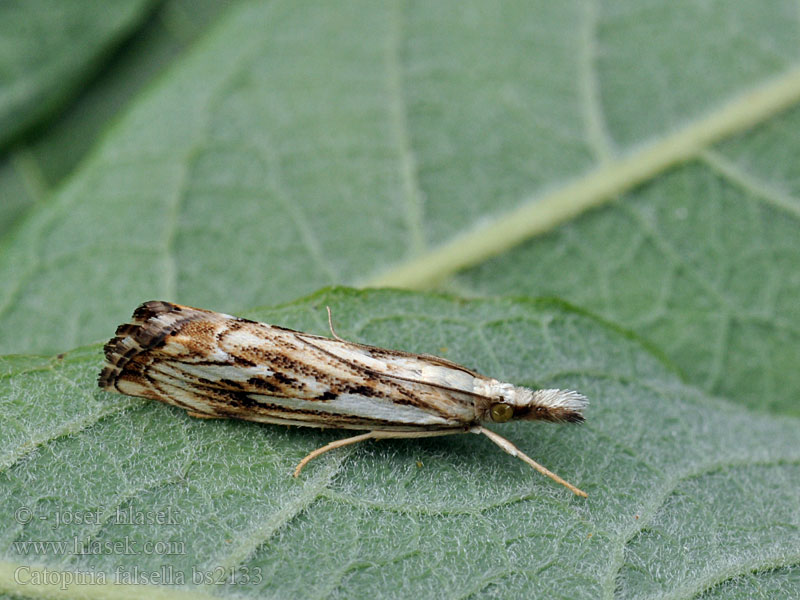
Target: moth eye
x: 501, y: 413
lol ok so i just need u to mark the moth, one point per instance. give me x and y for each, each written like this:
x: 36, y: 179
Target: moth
x: 220, y: 366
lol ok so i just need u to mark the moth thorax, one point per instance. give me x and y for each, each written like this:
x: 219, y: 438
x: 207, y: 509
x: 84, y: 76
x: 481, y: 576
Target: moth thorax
x: 510, y: 394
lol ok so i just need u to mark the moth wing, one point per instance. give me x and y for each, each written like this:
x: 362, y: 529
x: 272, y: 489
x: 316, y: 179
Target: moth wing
x: 214, y: 364
x: 145, y: 334
x: 424, y: 369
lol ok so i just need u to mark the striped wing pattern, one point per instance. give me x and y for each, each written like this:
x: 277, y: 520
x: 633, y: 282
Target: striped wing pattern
x: 217, y: 365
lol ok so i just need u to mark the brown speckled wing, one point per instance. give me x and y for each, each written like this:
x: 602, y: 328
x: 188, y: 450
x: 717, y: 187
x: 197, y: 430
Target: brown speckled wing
x: 217, y: 365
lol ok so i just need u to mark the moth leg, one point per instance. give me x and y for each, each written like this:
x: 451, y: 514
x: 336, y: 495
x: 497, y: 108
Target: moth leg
x: 200, y: 415
x: 514, y: 451
x: 375, y: 435
x: 333, y: 445
x: 330, y: 324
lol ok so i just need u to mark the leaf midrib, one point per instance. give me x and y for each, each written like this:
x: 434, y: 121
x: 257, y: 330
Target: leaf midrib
x: 539, y: 214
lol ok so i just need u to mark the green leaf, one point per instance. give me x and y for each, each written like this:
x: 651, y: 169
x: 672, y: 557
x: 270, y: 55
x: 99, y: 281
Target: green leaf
x: 44, y: 156
x: 300, y: 145
x: 685, y: 491
x: 703, y: 263
x: 47, y: 49
x: 374, y: 143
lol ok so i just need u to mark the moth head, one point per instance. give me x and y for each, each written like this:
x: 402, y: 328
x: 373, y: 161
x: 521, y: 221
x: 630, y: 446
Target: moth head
x: 507, y: 402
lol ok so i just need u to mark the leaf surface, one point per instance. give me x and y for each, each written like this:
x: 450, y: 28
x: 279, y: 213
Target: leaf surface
x: 703, y: 262
x: 417, y: 139
x: 42, y: 158
x: 48, y: 48
x: 685, y: 491
x: 637, y: 160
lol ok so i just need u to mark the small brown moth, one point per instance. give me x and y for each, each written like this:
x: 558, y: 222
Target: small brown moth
x: 218, y: 366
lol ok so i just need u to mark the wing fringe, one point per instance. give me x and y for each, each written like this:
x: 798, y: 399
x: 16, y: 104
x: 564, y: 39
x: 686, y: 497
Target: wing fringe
x: 151, y: 323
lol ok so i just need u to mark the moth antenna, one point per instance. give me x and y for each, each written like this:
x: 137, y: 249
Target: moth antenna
x: 514, y: 451
x: 330, y: 324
